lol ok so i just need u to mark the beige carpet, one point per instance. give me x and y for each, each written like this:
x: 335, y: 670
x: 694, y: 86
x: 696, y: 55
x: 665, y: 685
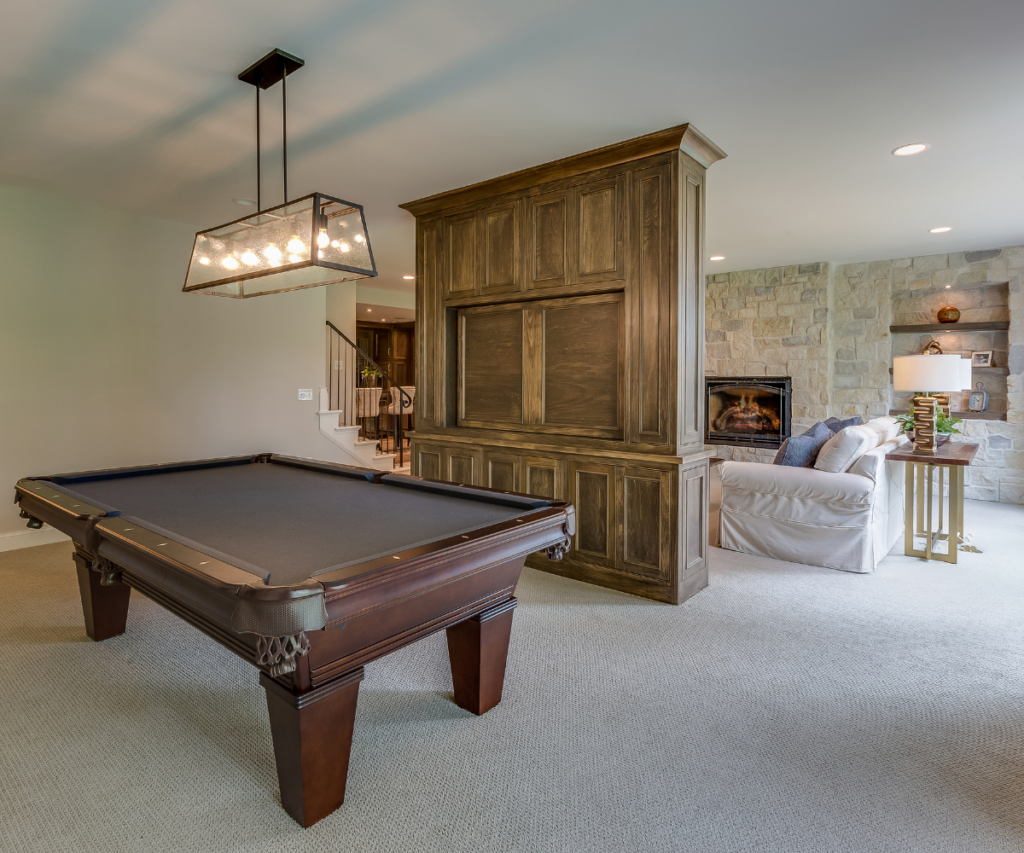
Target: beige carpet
x: 785, y: 708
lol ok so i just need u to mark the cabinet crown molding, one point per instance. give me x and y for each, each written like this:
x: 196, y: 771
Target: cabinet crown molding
x: 683, y: 137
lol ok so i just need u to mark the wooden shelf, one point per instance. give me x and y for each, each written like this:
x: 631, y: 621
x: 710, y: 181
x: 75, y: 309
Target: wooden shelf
x: 992, y: 326
x: 967, y: 416
x: 990, y: 371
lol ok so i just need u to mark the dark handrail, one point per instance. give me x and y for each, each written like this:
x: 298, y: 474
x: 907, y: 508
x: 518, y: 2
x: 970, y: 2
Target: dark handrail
x: 403, y: 398
x: 380, y: 370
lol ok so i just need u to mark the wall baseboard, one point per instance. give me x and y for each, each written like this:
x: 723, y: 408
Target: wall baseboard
x: 30, y: 538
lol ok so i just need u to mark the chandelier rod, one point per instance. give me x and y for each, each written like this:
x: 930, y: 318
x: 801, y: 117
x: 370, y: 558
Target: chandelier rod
x: 259, y: 175
x: 284, y: 128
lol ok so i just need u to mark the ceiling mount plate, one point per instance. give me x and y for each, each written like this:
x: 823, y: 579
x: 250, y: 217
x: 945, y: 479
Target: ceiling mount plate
x: 271, y: 69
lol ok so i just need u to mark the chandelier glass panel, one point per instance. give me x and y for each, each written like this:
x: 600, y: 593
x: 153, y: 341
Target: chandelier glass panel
x: 307, y: 242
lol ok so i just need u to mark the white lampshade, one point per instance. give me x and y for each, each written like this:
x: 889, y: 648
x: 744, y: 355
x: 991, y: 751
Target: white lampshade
x: 934, y: 374
x: 966, y: 377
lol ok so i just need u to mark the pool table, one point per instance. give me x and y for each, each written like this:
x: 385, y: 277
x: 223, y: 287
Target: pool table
x: 308, y: 570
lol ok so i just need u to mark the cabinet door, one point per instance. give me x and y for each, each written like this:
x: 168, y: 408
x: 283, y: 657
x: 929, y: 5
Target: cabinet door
x: 593, y: 493
x: 462, y: 466
x: 500, y: 255
x: 599, y: 231
x: 461, y: 254
x: 428, y: 461
x: 647, y: 528
x: 547, y: 243
x: 544, y: 476
x: 501, y: 471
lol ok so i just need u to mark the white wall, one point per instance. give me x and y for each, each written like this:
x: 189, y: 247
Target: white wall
x: 105, y: 362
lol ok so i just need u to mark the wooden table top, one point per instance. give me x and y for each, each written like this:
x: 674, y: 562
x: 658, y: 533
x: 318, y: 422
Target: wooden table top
x: 950, y: 453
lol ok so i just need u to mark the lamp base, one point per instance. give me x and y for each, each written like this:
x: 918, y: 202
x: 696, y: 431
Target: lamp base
x: 925, y: 436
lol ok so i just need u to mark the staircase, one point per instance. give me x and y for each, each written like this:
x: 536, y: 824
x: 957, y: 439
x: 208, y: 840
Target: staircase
x: 351, y: 412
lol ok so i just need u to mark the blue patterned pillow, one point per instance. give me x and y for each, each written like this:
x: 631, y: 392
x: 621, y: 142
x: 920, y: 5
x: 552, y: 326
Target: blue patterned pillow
x: 836, y: 425
x: 800, y: 451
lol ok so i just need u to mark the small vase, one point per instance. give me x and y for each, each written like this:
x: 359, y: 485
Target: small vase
x: 949, y: 314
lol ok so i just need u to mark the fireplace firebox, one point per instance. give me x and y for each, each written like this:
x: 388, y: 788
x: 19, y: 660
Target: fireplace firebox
x: 748, y: 411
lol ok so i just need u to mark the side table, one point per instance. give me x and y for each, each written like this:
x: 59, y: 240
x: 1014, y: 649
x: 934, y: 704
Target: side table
x: 946, y: 464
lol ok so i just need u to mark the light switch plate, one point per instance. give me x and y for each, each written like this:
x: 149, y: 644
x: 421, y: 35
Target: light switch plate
x: 305, y: 393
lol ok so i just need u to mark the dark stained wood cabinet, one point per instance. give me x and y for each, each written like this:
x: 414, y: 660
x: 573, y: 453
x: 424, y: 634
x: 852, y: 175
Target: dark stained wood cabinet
x: 560, y: 331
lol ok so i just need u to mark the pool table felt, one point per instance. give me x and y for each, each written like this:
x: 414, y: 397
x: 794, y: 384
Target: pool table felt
x: 288, y: 524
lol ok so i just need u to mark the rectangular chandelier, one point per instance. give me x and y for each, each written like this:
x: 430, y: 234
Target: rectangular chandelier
x: 308, y: 242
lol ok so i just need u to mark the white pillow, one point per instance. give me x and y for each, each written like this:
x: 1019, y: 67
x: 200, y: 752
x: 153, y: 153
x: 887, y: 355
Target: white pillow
x: 846, y: 447
x: 889, y: 427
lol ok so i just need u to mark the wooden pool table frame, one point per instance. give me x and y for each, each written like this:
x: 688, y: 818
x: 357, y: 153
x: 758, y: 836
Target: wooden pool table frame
x: 464, y: 584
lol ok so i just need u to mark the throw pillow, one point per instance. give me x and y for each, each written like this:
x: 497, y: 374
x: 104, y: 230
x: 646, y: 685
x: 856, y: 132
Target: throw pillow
x: 836, y: 425
x: 800, y: 451
x: 846, y: 447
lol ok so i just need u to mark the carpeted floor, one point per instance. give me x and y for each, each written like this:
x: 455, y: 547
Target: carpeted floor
x: 784, y: 708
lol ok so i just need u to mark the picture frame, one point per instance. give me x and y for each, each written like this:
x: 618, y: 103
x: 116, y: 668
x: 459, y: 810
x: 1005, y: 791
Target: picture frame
x: 981, y: 358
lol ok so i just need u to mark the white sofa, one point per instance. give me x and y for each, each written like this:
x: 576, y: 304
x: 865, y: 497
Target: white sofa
x: 840, y: 521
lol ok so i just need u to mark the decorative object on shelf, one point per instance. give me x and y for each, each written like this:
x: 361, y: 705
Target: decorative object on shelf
x: 305, y: 242
x: 982, y: 358
x: 948, y: 314
x: 978, y: 401
x: 927, y: 375
x: 932, y: 348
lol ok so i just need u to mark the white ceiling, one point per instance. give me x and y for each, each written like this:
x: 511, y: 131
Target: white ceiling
x: 135, y: 105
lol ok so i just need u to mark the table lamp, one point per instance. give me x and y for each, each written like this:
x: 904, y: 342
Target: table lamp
x: 966, y: 382
x: 926, y: 376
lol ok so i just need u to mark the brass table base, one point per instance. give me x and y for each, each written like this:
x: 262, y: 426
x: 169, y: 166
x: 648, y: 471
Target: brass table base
x: 921, y: 520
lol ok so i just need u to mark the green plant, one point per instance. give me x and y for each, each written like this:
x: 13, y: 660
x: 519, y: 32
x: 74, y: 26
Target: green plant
x: 946, y: 426
x: 370, y: 372
x: 943, y: 425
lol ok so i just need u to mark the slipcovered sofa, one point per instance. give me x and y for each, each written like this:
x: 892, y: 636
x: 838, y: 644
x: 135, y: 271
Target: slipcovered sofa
x: 845, y: 521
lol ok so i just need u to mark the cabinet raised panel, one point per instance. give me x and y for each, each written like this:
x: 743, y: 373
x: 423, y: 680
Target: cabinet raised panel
x: 502, y: 471
x: 491, y: 367
x: 501, y: 249
x: 599, y: 227
x: 582, y: 364
x: 647, y: 522
x: 694, y: 509
x: 429, y: 459
x: 428, y: 309
x: 652, y: 328
x: 593, y: 488
x: 462, y: 467
x: 547, y: 221
x: 462, y: 254
x: 542, y: 476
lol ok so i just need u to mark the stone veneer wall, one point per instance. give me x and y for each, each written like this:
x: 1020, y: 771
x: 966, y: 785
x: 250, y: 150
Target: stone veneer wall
x: 831, y: 334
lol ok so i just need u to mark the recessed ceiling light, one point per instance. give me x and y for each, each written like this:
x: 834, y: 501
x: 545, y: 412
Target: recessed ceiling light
x: 912, y: 148
x: 369, y: 309
x: 245, y: 202
x: 948, y: 286
x: 717, y: 258
x: 408, y: 277
x: 942, y: 229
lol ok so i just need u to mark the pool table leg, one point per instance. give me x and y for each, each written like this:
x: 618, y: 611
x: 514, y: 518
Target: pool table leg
x: 105, y: 607
x: 312, y: 734
x: 478, y: 649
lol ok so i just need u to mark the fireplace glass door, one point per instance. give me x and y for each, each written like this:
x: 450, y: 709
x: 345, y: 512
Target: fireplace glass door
x: 748, y: 411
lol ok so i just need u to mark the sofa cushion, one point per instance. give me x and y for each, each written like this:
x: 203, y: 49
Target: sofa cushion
x: 888, y: 427
x: 800, y: 451
x: 846, y: 447
x: 836, y: 425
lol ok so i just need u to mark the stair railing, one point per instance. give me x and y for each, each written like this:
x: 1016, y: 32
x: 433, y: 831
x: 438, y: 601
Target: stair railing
x: 348, y: 373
